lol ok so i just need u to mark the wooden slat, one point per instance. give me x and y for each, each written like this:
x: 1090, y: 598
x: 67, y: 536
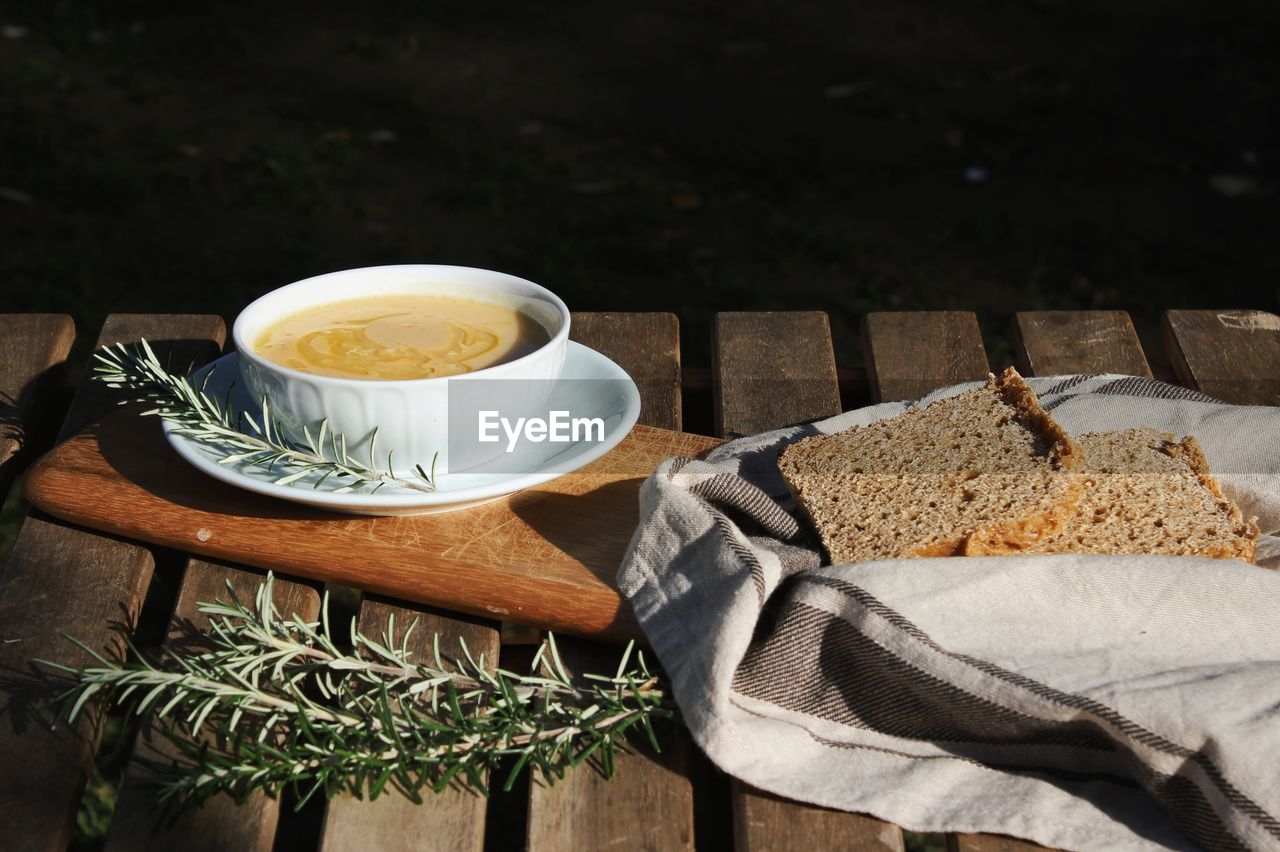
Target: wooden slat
x: 450, y: 820
x: 648, y: 804
x: 31, y: 347
x: 1232, y: 355
x: 765, y: 822
x: 910, y: 354
x: 57, y: 580
x: 771, y: 370
x: 774, y: 369
x: 696, y: 380
x: 220, y: 823
x: 1053, y: 343
x: 649, y: 352
x: 181, y: 342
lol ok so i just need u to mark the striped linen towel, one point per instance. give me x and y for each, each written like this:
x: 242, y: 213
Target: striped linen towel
x: 1083, y: 702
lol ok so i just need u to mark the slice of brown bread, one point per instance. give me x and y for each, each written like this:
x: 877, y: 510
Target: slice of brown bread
x: 1147, y: 493
x: 988, y: 471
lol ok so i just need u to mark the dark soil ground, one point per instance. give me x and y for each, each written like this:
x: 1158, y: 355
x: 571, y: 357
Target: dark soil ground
x: 685, y: 156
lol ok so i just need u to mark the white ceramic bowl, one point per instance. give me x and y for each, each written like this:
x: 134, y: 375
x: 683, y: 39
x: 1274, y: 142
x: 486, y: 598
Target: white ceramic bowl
x: 411, y: 416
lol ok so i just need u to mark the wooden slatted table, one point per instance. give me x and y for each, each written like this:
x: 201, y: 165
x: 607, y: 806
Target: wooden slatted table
x: 768, y: 370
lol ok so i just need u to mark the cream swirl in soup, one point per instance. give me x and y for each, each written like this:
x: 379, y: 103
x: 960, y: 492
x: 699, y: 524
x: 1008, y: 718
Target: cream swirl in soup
x: 400, y: 337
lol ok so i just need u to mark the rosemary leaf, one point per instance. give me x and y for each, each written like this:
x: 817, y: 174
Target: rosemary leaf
x: 194, y: 413
x: 269, y: 702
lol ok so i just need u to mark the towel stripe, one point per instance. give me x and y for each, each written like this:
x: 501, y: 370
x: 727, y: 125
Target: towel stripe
x: 1130, y: 729
x: 1199, y: 819
x: 815, y: 663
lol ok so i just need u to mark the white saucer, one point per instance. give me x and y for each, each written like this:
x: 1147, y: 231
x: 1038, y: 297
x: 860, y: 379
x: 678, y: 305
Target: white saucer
x: 593, y: 386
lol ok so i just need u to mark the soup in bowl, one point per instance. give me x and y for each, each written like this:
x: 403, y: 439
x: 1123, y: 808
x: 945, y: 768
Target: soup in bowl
x: 377, y: 348
x: 392, y: 338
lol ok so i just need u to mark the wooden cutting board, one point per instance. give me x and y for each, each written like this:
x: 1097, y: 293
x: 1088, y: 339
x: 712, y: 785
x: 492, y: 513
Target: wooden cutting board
x: 545, y: 557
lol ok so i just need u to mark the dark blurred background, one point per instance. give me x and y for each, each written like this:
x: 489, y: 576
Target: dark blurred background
x: 685, y: 156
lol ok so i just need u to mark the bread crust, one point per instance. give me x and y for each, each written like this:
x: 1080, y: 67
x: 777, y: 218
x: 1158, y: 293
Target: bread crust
x: 1018, y: 394
x: 1246, y: 546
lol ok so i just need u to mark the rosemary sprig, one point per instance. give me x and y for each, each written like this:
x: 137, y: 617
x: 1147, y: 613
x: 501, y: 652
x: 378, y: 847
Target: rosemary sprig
x: 269, y: 702
x: 217, y: 424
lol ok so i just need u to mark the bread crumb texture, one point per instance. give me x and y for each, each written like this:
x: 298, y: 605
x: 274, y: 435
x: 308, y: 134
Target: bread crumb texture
x: 990, y: 472
x: 1147, y: 493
